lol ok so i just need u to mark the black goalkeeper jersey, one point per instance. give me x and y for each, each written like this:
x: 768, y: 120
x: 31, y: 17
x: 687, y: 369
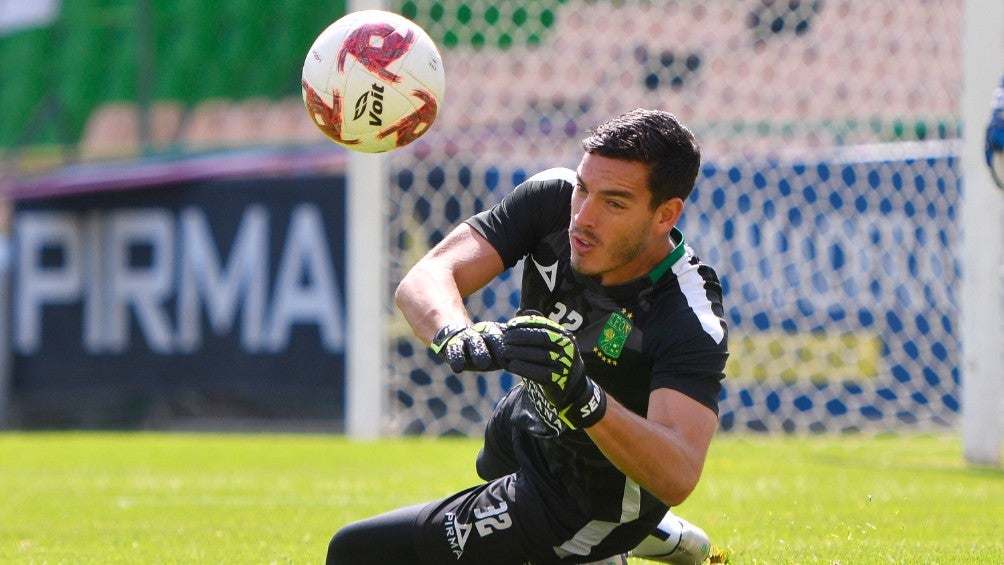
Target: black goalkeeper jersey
x: 664, y: 330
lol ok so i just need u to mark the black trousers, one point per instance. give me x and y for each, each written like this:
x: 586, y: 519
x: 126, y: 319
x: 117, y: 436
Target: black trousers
x: 511, y: 519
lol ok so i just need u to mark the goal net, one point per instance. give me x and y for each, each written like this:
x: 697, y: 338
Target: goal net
x: 828, y: 200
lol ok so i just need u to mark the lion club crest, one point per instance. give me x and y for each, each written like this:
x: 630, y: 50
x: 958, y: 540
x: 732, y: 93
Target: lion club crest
x: 613, y: 336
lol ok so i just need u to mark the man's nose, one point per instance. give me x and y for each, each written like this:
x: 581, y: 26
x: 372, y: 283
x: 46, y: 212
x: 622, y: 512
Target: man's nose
x: 584, y: 216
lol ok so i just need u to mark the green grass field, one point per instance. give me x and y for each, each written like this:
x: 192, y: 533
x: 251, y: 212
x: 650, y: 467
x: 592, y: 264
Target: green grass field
x: 243, y: 498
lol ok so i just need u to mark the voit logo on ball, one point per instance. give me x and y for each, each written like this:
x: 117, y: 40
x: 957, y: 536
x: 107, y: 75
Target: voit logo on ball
x: 371, y: 103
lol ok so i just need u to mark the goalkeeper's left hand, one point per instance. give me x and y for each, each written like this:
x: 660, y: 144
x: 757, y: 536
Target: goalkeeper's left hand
x: 539, y: 349
x: 995, y: 137
x: 469, y: 348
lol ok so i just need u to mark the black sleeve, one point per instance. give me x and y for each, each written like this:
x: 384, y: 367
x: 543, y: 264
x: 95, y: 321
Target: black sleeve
x: 686, y: 356
x: 695, y: 368
x: 534, y: 209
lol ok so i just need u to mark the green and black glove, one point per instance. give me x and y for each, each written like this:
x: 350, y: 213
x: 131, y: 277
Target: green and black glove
x: 469, y: 348
x: 540, y: 350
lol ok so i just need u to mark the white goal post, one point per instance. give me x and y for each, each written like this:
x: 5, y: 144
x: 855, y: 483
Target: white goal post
x: 982, y: 296
x: 366, y: 282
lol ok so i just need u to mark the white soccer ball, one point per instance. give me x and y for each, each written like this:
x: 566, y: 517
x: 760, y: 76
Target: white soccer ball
x: 373, y: 81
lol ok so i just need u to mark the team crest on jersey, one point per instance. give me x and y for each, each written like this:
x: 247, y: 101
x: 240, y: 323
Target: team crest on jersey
x: 614, y: 336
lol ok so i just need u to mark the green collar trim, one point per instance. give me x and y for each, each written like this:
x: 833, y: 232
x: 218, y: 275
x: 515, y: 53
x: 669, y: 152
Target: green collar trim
x: 666, y: 264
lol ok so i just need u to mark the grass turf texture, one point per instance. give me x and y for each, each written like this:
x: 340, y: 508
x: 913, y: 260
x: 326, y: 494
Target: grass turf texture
x: 202, y: 498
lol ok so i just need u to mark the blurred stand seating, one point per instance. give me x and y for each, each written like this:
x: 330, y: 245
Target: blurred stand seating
x: 113, y: 130
x: 758, y: 80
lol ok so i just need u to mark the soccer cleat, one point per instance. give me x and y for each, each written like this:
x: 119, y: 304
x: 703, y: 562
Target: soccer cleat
x: 675, y: 541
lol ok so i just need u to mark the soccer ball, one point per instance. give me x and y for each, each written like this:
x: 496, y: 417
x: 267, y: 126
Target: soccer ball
x: 373, y: 81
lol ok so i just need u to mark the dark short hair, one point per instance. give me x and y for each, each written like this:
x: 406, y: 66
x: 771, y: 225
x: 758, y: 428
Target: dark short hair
x: 659, y: 140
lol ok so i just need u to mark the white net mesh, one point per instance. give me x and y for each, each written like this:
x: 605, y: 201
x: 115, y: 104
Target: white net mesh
x: 827, y: 201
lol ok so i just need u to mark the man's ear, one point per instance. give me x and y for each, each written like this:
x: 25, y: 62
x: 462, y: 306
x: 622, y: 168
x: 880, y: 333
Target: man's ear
x: 667, y: 214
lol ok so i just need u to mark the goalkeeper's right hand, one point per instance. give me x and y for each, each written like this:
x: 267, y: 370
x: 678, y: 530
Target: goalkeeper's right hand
x: 540, y: 350
x: 476, y: 347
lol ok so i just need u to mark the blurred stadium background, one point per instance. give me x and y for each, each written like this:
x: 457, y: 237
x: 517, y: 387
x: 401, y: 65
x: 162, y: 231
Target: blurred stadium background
x: 176, y: 241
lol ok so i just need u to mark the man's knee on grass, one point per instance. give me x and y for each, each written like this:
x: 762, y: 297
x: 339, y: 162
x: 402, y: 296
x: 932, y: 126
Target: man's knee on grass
x: 387, y: 538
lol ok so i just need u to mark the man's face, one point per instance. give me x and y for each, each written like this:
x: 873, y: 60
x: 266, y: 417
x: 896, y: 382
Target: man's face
x: 614, y: 233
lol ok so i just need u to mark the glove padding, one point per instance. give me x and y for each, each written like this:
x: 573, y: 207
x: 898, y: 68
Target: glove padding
x: 540, y: 350
x: 469, y: 348
x: 995, y: 137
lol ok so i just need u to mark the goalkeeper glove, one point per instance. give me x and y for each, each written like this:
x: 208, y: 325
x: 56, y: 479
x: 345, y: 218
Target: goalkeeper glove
x: 469, y: 348
x: 540, y: 350
x: 995, y: 137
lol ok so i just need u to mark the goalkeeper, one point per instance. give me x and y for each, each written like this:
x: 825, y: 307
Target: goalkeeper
x: 621, y: 347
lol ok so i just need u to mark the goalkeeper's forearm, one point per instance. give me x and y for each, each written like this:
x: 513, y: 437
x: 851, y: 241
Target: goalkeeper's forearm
x: 666, y: 462
x: 428, y: 301
x: 431, y: 294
